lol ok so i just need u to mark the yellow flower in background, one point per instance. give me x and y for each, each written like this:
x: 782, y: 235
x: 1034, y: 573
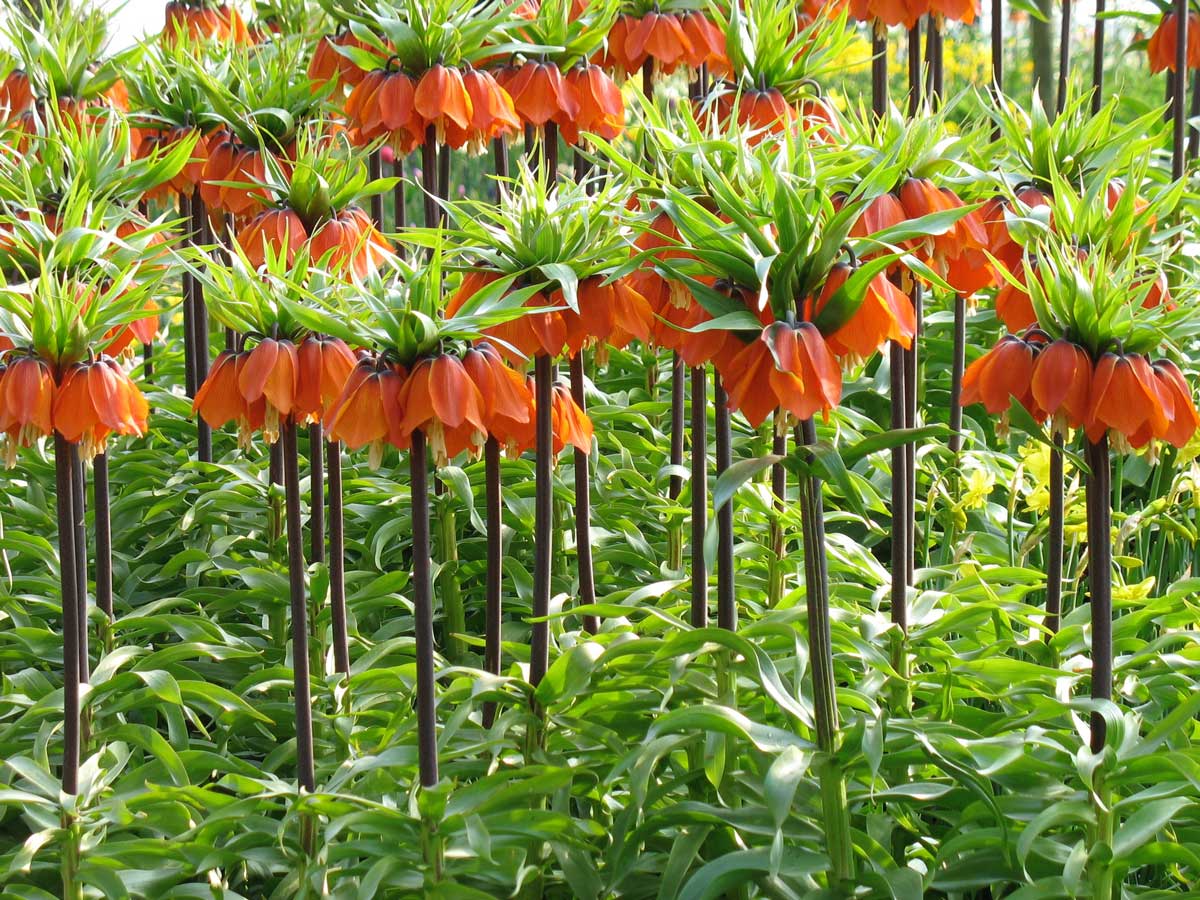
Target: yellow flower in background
x: 1133, y: 593
x: 979, y: 487
x: 1035, y: 459
x: 1190, y: 450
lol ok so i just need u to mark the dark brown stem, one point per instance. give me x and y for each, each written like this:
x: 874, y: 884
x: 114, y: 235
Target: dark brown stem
x: 583, y: 508
x: 375, y: 171
x: 148, y: 362
x: 200, y: 327
x: 1099, y: 503
x: 677, y: 428
x: 1194, y: 136
x: 500, y: 163
x: 956, y: 373
x: 495, y: 572
x: 305, y: 770
x: 914, y: 69
x: 101, y: 503
x: 1178, y: 120
x: 998, y: 47
x: 316, y: 478
x: 1064, y: 57
x: 699, y: 482
x: 727, y: 611
x: 1097, y: 58
x: 189, y: 322
x: 539, y: 642
x: 443, y: 183
x: 79, y: 513
x: 879, y: 72
x: 64, y: 475
x: 337, y: 560
x: 423, y: 613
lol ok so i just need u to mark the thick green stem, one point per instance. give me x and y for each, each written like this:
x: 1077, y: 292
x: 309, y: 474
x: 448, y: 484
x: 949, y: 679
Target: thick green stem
x: 454, y: 615
x: 834, y: 802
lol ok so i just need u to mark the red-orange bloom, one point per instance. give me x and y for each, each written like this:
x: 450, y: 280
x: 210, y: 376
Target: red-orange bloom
x: 707, y: 44
x: 963, y: 11
x: 1003, y: 372
x: 95, y: 400
x: 368, y: 411
x: 609, y: 312
x: 764, y: 111
x: 26, y: 403
x: 1127, y: 398
x: 441, y: 99
x: 541, y: 94
x: 199, y: 21
x: 568, y: 423
x: 613, y: 55
x: 1061, y: 383
x: 16, y: 93
x: 660, y: 37
x: 232, y: 164
x: 270, y: 373
x: 601, y: 109
x: 1161, y: 46
x: 492, y: 113
x: 324, y: 364
x: 280, y: 230
x: 355, y: 246
x: 885, y: 314
x: 921, y: 197
x: 219, y: 399
x: 1172, y: 386
x: 506, y: 401
x: 440, y: 399
x: 327, y: 64
x: 806, y: 377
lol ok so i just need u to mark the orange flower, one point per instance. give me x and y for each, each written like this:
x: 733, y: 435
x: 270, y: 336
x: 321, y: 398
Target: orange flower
x: 541, y: 94
x: 1159, y: 294
x: 613, y: 55
x: 764, y: 111
x: 806, y: 378
x: 747, y: 378
x: 26, y: 403
x: 1128, y: 399
x: 897, y: 12
x: 881, y: 213
x: 609, y: 312
x: 601, y: 109
x: 707, y: 43
x: 1161, y: 46
x: 270, y: 373
x: 1013, y: 305
x: 568, y: 423
x: 219, y: 399
x: 963, y: 11
x: 95, y: 400
x: 16, y: 94
x: 473, y: 281
x: 440, y: 399
x: 1172, y: 386
x: 367, y: 412
x: 1061, y: 382
x: 660, y: 37
x: 199, y: 21
x: 1003, y: 372
x: 885, y: 314
x: 492, y: 113
x: 324, y: 364
x: 328, y: 64
x: 278, y: 229
x: 921, y: 197
x: 1000, y: 242
x: 353, y: 243
x: 532, y: 333
x: 441, y: 99
x: 230, y: 161
x: 144, y: 330
x: 506, y: 401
